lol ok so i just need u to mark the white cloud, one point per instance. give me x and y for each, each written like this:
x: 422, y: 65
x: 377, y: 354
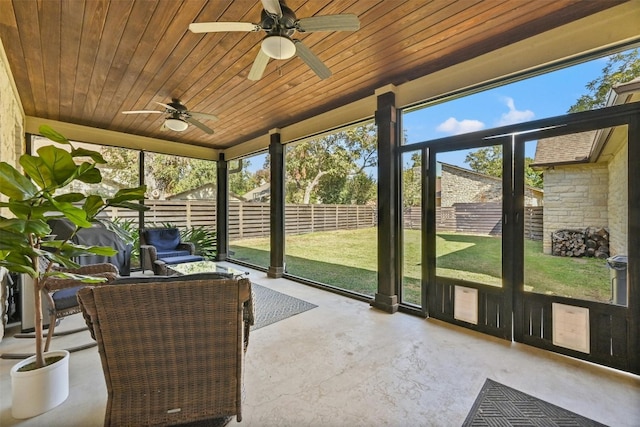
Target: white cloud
x: 514, y: 115
x: 457, y: 127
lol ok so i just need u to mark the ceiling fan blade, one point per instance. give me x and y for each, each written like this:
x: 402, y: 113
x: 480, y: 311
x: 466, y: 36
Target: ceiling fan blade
x: 143, y: 112
x: 259, y: 65
x: 272, y: 7
x: 216, y: 27
x: 318, y: 67
x: 202, y: 116
x: 343, y: 22
x: 199, y: 125
x: 167, y: 106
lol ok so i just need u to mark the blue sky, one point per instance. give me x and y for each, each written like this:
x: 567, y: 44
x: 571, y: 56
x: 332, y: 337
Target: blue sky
x: 539, y: 97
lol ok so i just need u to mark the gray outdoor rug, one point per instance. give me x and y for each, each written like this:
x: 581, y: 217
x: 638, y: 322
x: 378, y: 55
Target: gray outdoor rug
x: 499, y: 405
x: 272, y: 306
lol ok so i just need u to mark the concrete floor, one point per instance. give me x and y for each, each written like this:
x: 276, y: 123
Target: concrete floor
x: 346, y: 364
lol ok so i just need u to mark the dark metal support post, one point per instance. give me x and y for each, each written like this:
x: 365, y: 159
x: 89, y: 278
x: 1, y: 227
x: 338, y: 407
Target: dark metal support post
x: 222, y: 209
x: 276, y: 156
x: 141, y: 181
x: 388, y: 200
x: 633, y: 273
x: 429, y: 179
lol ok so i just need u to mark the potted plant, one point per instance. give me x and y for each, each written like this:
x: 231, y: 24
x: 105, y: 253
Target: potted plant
x: 34, y: 197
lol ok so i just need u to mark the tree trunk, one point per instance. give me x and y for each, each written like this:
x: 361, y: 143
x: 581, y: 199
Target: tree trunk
x: 311, y: 186
x: 37, y: 298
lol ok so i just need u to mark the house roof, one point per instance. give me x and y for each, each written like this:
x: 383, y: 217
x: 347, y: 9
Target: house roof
x: 565, y: 149
x: 83, y: 62
x: 260, y: 192
x: 583, y: 147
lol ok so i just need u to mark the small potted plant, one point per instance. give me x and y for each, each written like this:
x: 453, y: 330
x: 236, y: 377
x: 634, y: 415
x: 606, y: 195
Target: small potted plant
x: 34, y: 197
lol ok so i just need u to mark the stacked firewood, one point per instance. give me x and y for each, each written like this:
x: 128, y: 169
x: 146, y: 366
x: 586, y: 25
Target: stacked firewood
x: 590, y: 242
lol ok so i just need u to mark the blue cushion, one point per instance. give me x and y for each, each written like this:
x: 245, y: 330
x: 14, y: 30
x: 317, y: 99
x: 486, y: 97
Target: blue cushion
x: 169, y: 254
x: 181, y: 259
x: 66, y: 298
x: 164, y: 239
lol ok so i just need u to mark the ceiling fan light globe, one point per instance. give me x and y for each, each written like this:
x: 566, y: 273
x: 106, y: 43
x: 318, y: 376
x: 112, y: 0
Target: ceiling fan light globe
x: 177, y: 125
x: 278, y: 47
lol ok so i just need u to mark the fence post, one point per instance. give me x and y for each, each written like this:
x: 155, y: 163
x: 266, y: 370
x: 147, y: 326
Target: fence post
x: 240, y: 217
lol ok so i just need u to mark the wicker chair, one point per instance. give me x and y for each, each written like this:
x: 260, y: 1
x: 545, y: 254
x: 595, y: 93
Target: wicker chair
x: 61, y: 295
x: 172, y: 349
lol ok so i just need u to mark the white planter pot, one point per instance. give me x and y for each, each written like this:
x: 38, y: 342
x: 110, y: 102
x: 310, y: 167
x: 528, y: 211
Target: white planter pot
x: 35, y: 392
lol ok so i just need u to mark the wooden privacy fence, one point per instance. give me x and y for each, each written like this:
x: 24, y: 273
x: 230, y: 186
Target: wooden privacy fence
x: 476, y: 218
x: 252, y: 219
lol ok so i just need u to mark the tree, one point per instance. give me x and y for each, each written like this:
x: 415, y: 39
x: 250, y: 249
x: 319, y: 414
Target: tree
x: 488, y: 160
x: 240, y: 179
x: 164, y: 173
x: 333, y: 167
x: 412, y: 182
x: 121, y: 168
x: 620, y: 68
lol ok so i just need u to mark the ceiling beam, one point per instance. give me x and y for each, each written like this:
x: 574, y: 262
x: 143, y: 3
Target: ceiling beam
x: 118, y: 139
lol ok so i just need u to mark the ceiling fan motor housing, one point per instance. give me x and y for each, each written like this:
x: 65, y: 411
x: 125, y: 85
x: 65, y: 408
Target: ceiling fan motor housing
x: 177, y: 105
x: 284, y: 26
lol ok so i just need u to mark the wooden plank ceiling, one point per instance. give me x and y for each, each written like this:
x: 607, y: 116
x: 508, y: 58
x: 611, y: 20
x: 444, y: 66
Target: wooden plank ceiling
x: 84, y: 62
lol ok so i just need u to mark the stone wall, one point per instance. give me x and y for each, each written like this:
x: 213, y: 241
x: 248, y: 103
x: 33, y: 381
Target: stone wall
x: 11, y: 143
x: 459, y: 186
x: 12, y: 140
x: 575, y: 198
x: 618, y: 202
x: 465, y: 186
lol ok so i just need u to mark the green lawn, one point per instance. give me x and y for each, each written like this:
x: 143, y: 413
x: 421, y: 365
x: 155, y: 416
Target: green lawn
x: 348, y: 259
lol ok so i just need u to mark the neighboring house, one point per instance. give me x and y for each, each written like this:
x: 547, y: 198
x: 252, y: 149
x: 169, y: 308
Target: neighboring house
x: 262, y: 193
x: 585, y: 178
x: 204, y: 192
x: 460, y: 185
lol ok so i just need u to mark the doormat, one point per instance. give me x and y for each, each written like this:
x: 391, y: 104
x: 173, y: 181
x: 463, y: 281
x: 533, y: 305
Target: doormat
x: 499, y: 405
x: 272, y: 306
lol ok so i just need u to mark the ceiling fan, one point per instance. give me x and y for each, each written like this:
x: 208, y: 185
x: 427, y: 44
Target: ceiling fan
x: 178, y: 116
x: 280, y: 23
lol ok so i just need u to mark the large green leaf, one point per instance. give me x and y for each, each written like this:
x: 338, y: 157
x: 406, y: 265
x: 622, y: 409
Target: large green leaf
x: 95, y: 156
x: 10, y: 240
x: 92, y: 205
x: 74, y: 214
x: 48, y: 132
x: 17, y: 262
x: 25, y: 210
x: 59, y: 163
x: 35, y: 168
x: 20, y: 208
x: 15, y: 185
x: 87, y: 172
x: 128, y: 194
x: 131, y: 205
x: 70, y: 197
x: 23, y: 227
x: 77, y: 277
x: 61, y: 260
